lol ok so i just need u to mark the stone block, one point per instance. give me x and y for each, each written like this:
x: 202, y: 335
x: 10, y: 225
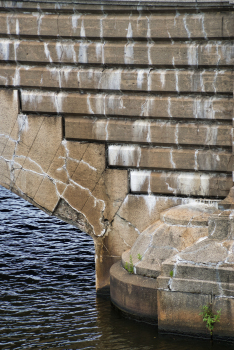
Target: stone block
x: 140, y: 53
x: 168, y: 158
x: 126, y: 290
x: 47, y: 195
x: 173, y: 80
x: 140, y: 211
x: 147, y: 131
x: 179, y: 313
x: 191, y: 184
x: 125, y: 105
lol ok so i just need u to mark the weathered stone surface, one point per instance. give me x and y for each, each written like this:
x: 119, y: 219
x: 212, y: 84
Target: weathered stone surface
x: 159, y: 54
x: 179, y: 312
x: 125, y: 291
x: 8, y: 115
x: 191, y: 184
x: 99, y: 26
x: 148, y: 131
x: 168, y: 158
x: 126, y: 105
x: 173, y: 80
x: 177, y: 229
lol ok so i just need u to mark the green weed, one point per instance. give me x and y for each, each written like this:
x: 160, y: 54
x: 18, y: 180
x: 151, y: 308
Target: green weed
x: 209, y: 317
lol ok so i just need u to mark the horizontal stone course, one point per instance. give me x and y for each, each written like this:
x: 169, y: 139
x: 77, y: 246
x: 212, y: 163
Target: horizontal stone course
x: 189, y: 184
x: 216, y: 25
x: 128, y: 105
x: 162, y: 80
x: 119, y: 53
x: 168, y: 158
x: 146, y: 131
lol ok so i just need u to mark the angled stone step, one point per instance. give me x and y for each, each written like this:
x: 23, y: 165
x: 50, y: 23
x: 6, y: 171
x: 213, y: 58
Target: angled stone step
x: 175, y: 25
x: 161, y: 80
x: 180, y: 183
x: 128, y: 105
x: 130, y: 53
x: 169, y: 158
x: 148, y: 131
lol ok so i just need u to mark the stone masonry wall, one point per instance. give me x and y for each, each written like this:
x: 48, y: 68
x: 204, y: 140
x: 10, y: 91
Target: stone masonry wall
x: 110, y: 114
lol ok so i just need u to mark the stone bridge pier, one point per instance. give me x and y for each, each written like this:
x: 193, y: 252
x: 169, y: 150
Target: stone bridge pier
x: 113, y: 112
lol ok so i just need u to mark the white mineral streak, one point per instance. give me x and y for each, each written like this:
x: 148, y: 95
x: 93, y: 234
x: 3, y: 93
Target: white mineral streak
x: 193, y: 184
x: 66, y: 72
x: 162, y: 78
x: 149, y: 81
x: 16, y: 45
x: 100, y: 104
x: 186, y: 26
x: 201, y: 81
x: 111, y: 79
x: 47, y: 52
x: 126, y: 156
x: 145, y: 108
x: 202, y: 19
x: 16, y: 79
x: 17, y: 29
x: 39, y: 20
x: 215, y: 79
x: 149, y: 45
x: 138, y: 179
x: 8, y: 20
x: 140, y: 78
x: 169, y: 107
x: 22, y: 122
x: 177, y: 80
x: 129, y: 53
x: 89, y: 107
x: 83, y: 57
x: 75, y: 20
x: 177, y: 133
x: 82, y: 29
x: 129, y: 32
x: 148, y: 28
x: 171, y: 159
x: 31, y: 99
x: 59, y: 50
x: 211, y: 135
x: 106, y: 129
x: 5, y: 49
x: 175, y: 18
x: 57, y: 100
x: 195, y: 160
x: 141, y: 131
x: 192, y: 54
x: 70, y: 52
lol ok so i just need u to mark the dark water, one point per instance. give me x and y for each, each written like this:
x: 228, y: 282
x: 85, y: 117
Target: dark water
x: 47, y: 290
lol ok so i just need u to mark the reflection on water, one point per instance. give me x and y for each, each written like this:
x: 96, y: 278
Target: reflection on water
x: 47, y: 290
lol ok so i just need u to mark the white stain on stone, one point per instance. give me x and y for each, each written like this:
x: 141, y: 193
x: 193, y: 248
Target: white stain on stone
x: 140, y: 180
x: 192, y: 54
x: 82, y: 29
x: 186, y: 26
x: 140, y: 78
x: 83, y: 56
x: 126, y: 156
x: 47, y: 52
x: 129, y: 53
x: 129, y: 32
x: 22, y: 122
x: 90, y: 110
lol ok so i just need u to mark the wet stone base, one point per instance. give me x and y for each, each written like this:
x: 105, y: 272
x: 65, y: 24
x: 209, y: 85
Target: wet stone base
x: 175, y: 312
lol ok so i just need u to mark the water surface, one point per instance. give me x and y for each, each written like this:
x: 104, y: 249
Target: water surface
x: 47, y: 290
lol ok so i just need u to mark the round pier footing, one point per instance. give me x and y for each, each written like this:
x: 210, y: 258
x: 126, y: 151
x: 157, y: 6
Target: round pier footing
x: 134, y: 295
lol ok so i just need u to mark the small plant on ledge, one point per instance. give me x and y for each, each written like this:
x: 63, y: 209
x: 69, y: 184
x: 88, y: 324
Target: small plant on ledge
x: 209, y: 317
x: 139, y: 256
x: 129, y: 266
